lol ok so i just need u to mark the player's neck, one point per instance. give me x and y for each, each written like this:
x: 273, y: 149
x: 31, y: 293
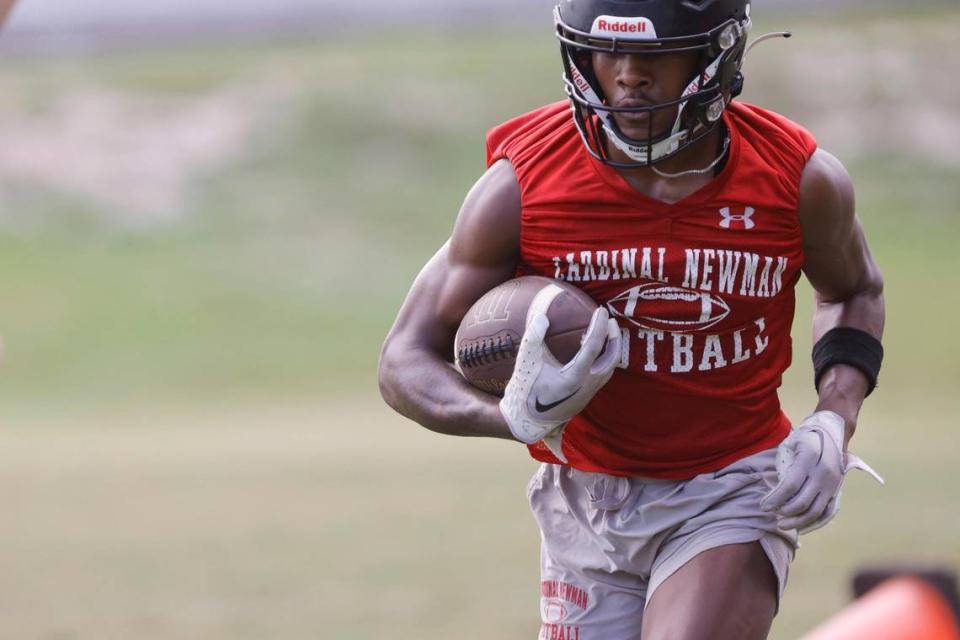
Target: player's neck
x: 672, y: 189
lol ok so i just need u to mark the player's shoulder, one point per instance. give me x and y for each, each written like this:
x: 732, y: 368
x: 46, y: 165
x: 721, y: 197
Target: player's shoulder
x: 773, y: 137
x: 528, y: 131
x: 826, y: 190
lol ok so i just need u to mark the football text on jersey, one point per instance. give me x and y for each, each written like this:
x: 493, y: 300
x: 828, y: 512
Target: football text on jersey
x: 686, y: 324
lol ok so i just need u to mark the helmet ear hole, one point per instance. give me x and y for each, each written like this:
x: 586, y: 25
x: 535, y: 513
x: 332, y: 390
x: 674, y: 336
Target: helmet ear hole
x: 736, y: 85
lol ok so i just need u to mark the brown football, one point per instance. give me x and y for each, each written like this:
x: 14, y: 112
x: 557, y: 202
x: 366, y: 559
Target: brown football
x: 489, y: 334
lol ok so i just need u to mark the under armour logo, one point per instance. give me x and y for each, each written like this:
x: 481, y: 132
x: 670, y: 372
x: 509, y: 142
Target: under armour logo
x: 744, y: 217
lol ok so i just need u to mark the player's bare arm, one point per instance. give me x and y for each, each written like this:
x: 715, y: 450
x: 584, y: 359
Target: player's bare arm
x: 416, y: 374
x: 848, y: 286
x: 672, y: 205
x: 847, y: 327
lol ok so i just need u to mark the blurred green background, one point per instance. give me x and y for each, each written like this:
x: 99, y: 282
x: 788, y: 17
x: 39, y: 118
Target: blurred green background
x: 202, y: 247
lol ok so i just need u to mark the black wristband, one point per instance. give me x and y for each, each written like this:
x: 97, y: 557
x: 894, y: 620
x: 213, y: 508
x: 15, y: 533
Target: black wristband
x: 846, y: 345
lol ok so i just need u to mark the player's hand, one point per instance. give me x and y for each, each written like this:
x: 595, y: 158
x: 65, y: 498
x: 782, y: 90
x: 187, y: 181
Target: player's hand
x: 811, y: 464
x: 543, y: 395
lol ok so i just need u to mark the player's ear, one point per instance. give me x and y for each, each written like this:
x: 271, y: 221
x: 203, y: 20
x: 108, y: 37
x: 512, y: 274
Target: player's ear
x: 585, y: 60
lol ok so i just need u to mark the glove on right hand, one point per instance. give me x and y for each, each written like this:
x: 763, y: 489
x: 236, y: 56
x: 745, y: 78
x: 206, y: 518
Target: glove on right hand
x: 543, y: 395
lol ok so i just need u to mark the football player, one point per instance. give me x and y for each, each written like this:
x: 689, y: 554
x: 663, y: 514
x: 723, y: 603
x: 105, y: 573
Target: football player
x: 671, y: 494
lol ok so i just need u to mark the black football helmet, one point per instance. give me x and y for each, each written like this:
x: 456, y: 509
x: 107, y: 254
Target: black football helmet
x: 717, y: 29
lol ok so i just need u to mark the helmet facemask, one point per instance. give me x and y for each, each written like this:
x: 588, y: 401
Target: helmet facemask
x: 698, y: 109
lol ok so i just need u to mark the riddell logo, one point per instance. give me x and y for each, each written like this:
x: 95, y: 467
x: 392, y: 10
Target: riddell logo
x: 579, y: 80
x: 622, y: 27
x: 630, y: 28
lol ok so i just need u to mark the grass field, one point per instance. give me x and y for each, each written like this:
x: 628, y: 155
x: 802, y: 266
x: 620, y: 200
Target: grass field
x: 191, y: 443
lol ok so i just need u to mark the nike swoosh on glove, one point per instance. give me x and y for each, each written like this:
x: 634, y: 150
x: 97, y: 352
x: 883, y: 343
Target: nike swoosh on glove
x: 543, y: 395
x: 811, y: 468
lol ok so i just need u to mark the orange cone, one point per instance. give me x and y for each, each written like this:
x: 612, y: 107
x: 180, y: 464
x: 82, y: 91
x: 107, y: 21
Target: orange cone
x: 904, y: 608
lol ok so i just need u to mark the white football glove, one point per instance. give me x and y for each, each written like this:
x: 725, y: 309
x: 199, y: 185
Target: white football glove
x: 543, y: 395
x: 811, y: 468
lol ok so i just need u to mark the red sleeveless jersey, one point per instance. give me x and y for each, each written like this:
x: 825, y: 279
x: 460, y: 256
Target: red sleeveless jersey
x: 703, y: 289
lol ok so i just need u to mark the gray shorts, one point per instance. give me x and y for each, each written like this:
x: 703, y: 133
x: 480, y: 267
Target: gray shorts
x: 608, y: 542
